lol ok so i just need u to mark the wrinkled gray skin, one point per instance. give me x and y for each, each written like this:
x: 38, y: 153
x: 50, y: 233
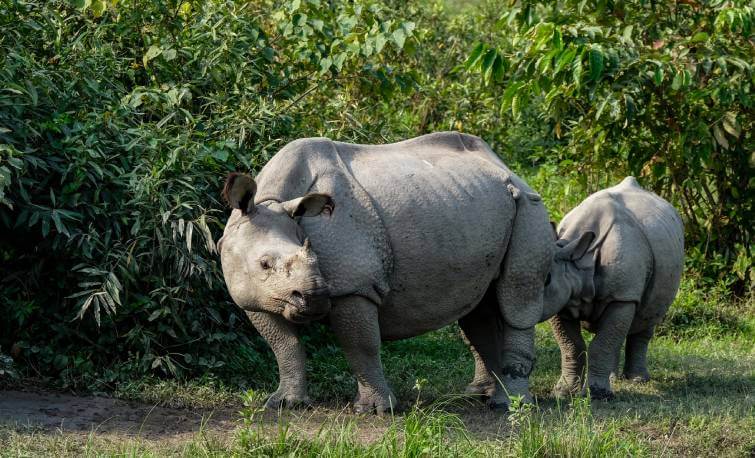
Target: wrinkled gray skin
x: 617, y: 267
x: 405, y: 238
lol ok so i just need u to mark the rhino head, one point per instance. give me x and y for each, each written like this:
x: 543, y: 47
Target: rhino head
x: 268, y: 263
x: 570, y: 280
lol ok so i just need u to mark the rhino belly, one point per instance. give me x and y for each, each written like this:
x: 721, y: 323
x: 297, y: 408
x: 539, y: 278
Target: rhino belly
x: 448, y: 220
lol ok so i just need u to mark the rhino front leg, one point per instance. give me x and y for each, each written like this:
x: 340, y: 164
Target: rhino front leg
x: 283, y: 338
x: 354, y: 320
x: 517, y: 362
x: 573, y: 355
x: 606, y: 346
x: 635, y: 363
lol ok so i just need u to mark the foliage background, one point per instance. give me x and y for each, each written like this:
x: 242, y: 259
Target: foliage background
x: 119, y: 120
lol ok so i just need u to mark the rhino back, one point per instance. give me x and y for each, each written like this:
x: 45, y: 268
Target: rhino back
x: 447, y: 213
x: 664, y: 230
x: 627, y: 214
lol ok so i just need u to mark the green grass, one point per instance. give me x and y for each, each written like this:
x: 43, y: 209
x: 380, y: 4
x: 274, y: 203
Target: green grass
x: 701, y: 402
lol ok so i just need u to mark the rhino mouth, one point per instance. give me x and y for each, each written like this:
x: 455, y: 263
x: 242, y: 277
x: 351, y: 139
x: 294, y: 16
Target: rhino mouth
x: 302, y: 308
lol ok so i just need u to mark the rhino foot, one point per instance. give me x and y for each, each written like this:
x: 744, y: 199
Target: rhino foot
x: 637, y: 377
x: 480, y: 389
x: 512, y: 388
x: 375, y: 403
x: 601, y: 394
x: 285, y: 400
x: 497, y: 405
x: 565, y: 389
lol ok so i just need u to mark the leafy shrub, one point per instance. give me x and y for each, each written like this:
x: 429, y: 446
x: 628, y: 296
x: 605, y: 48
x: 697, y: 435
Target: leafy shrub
x: 660, y: 90
x: 118, y: 123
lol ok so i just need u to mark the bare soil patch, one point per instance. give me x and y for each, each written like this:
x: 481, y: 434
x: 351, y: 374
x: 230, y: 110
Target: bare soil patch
x: 85, y: 414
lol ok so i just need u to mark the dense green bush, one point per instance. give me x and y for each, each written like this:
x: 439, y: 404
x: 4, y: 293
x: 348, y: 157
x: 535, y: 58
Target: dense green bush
x: 118, y: 121
x: 660, y: 90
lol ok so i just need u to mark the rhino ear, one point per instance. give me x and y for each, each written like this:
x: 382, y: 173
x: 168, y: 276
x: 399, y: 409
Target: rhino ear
x: 239, y: 192
x: 576, y: 249
x: 309, y: 205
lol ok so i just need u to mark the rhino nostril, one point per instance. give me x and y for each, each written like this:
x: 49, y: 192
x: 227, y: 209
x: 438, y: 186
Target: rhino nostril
x: 298, y: 298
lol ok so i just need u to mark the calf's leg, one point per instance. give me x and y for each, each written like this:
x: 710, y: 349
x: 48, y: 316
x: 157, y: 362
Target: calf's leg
x: 604, y: 349
x: 573, y: 355
x: 635, y: 363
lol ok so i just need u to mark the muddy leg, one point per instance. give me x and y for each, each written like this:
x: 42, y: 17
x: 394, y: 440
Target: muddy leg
x: 355, y: 323
x: 605, y: 347
x: 482, y: 330
x: 282, y: 337
x: 573, y: 355
x: 635, y: 364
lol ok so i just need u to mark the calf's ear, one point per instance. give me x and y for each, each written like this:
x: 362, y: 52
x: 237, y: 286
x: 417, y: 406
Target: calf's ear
x: 239, y: 192
x: 576, y: 249
x: 309, y: 205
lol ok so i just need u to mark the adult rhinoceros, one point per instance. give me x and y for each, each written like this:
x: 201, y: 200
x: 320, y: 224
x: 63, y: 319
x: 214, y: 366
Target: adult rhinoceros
x: 388, y: 241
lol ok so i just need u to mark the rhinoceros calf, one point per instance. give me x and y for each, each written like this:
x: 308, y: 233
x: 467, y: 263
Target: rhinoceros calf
x: 388, y: 242
x: 618, y: 262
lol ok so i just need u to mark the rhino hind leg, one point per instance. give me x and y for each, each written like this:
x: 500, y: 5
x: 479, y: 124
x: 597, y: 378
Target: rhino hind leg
x: 604, y: 349
x: 481, y: 330
x: 354, y: 320
x: 635, y: 363
x: 573, y: 356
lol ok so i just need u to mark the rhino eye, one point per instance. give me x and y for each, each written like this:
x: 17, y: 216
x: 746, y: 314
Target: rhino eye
x: 265, y: 263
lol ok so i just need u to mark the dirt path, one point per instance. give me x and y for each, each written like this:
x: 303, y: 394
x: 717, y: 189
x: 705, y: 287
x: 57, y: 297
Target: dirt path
x: 85, y: 414
x: 70, y: 414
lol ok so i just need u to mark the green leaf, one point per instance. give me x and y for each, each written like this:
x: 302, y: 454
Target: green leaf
x: 627, y: 34
x: 339, y: 60
x: 380, y: 42
x: 557, y: 40
x: 601, y: 107
x: 399, y: 37
x: 731, y: 125
x: 499, y: 68
x: 317, y: 24
x: 474, y: 56
x: 82, y: 4
x: 169, y: 54
x: 152, y: 52
x: 678, y: 81
x: 658, y: 76
x: 98, y: 7
x: 699, y: 37
x: 720, y: 137
x: 325, y: 64
x: 595, y: 58
x: 487, y: 64
x: 577, y: 72
x: 565, y: 59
